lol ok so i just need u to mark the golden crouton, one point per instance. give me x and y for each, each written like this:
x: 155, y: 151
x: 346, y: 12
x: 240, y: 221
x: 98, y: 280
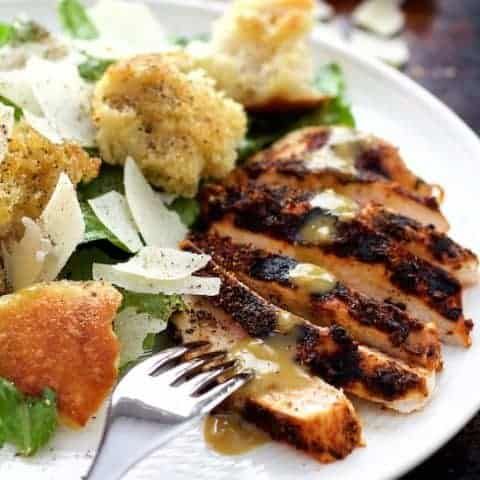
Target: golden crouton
x: 259, y: 54
x: 59, y: 335
x: 167, y: 115
x: 29, y: 174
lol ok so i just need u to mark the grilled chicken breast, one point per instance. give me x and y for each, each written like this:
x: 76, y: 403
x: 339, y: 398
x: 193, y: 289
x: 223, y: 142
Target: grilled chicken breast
x: 290, y: 222
x: 328, y: 352
x: 359, y: 166
x: 325, y: 301
x: 424, y: 241
x: 314, y: 417
x: 59, y: 335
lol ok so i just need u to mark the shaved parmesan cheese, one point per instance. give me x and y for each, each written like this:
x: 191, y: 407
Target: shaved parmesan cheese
x: 135, y: 283
x: 7, y: 121
x: 112, y: 210
x: 158, y: 225
x: 323, y: 11
x: 16, y: 86
x: 391, y: 50
x: 42, y: 126
x: 163, y: 263
x: 331, y: 32
x: 64, y: 98
x: 167, y: 198
x: 380, y: 16
x: 117, y: 37
x: 62, y: 223
x: 24, y: 259
x: 131, y: 329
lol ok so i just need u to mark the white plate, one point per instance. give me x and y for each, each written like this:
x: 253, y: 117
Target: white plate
x: 439, y: 147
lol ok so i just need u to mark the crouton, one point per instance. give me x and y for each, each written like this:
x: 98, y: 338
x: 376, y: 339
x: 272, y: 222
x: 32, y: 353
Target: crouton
x: 29, y: 173
x: 166, y: 114
x: 259, y: 54
x: 59, y: 335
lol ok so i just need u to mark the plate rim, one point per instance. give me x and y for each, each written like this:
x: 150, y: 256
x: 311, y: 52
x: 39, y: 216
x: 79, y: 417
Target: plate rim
x: 413, y: 89
x: 462, y: 131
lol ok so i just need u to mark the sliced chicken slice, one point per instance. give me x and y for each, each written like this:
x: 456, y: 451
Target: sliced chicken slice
x: 290, y: 222
x: 424, y: 241
x: 359, y: 166
x: 325, y: 424
x: 328, y: 352
x: 316, y: 295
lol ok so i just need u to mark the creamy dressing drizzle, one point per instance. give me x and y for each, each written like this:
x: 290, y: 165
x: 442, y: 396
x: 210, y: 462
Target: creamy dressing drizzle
x: 314, y: 279
x: 321, y: 228
x: 338, y: 153
x: 273, y: 361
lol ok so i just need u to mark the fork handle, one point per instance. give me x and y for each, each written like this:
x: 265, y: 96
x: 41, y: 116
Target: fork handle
x: 126, y: 441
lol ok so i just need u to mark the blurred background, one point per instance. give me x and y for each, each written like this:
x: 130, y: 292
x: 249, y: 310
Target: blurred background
x: 436, y: 42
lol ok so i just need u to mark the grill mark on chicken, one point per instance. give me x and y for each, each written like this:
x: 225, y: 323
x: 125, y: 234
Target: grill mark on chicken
x: 280, y: 212
x: 411, y: 274
x: 380, y: 175
x: 374, y: 157
x: 334, y: 348
x: 342, y: 367
x: 272, y: 218
x: 410, y: 339
x: 245, y: 307
x: 423, y: 240
x: 295, y: 169
x: 290, y: 433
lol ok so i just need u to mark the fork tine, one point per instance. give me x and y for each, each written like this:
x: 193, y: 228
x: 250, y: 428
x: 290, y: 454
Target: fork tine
x: 213, y: 397
x: 183, y: 369
x: 155, y: 362
x: 197, y: 383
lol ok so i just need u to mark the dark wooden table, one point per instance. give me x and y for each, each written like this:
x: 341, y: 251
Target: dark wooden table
x: 444, y: 38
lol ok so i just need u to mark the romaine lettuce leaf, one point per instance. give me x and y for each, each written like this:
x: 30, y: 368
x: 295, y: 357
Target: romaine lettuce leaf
x: 18, y: 111
x: 159, y: 306
x: 265, y: 129
x: 26, y: 422
x: 92, y: 69
x: 187, y: 208
x: 75, y: 20
x: 109, y: 179
x: 6, y: 33
x: 21, y: 31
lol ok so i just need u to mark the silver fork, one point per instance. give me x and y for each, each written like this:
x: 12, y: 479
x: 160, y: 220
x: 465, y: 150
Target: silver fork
x: 158, y: 399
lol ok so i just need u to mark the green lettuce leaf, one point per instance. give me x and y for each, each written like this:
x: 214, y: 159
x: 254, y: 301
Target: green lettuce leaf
x: 92, y: 69
x: 159, y: 306
x: 75, y: 20
x: 187, y: 208
x: 21, y: 31
x: 264, y: 129
x: 18, y: 111
x: 110, y: 178
x: 6, y: 33
x: 26, y: 422
x: 96, y: 230
x: 183, y: 41
x: 79, y: 266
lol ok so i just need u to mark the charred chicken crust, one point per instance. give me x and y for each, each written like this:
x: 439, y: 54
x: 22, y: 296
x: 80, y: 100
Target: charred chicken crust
x: 268, y: 274
x: 375, y: 159
x: 280, y: 212
x: 331, y: 351
x: 286, y: 162
x: 423, y: 240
